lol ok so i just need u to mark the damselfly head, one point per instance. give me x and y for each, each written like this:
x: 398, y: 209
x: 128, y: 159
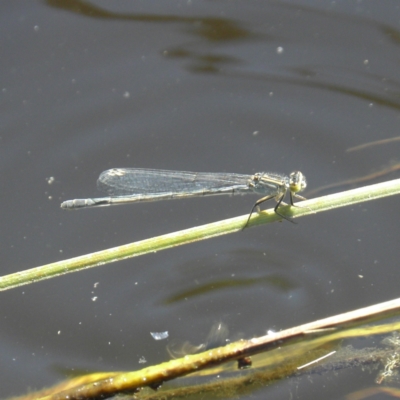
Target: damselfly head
x: 297, y: 182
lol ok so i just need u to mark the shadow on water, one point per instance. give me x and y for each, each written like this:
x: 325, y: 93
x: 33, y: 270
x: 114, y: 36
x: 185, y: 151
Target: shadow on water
x: 272, y: 280
x: 223, y: 29
x: 211, y: 29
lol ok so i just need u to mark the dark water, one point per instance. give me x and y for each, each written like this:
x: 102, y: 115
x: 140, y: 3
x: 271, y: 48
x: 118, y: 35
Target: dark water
x: 217, y: 86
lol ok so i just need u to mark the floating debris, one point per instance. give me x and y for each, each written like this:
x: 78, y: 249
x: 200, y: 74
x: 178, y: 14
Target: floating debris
x: 244, y: 362
x: 159, y: 335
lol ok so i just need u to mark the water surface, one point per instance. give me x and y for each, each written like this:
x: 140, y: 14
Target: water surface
x: 241, y: 87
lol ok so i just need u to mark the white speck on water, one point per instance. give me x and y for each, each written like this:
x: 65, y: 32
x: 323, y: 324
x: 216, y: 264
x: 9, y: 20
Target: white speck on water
x: 159, y: 335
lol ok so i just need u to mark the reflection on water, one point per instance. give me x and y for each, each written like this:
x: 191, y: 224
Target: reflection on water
x: 218, y: 336
x: 395, y: 166
x: 240, y: 283
x: 362, y: 84
x: 210, y: 28
x: 372, y: 144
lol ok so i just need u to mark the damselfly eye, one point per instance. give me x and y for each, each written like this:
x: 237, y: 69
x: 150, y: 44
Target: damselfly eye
x: 297, y: 182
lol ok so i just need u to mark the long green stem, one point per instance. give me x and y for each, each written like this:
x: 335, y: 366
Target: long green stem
x: 231, y: 225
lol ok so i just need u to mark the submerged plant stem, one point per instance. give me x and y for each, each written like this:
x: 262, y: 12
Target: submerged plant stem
x: 284, y: 352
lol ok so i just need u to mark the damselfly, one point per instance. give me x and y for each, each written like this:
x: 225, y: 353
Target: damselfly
x: 128, y: 185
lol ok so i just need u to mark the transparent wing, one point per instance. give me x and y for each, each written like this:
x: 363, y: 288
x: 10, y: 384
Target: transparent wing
x: 129, y: 181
